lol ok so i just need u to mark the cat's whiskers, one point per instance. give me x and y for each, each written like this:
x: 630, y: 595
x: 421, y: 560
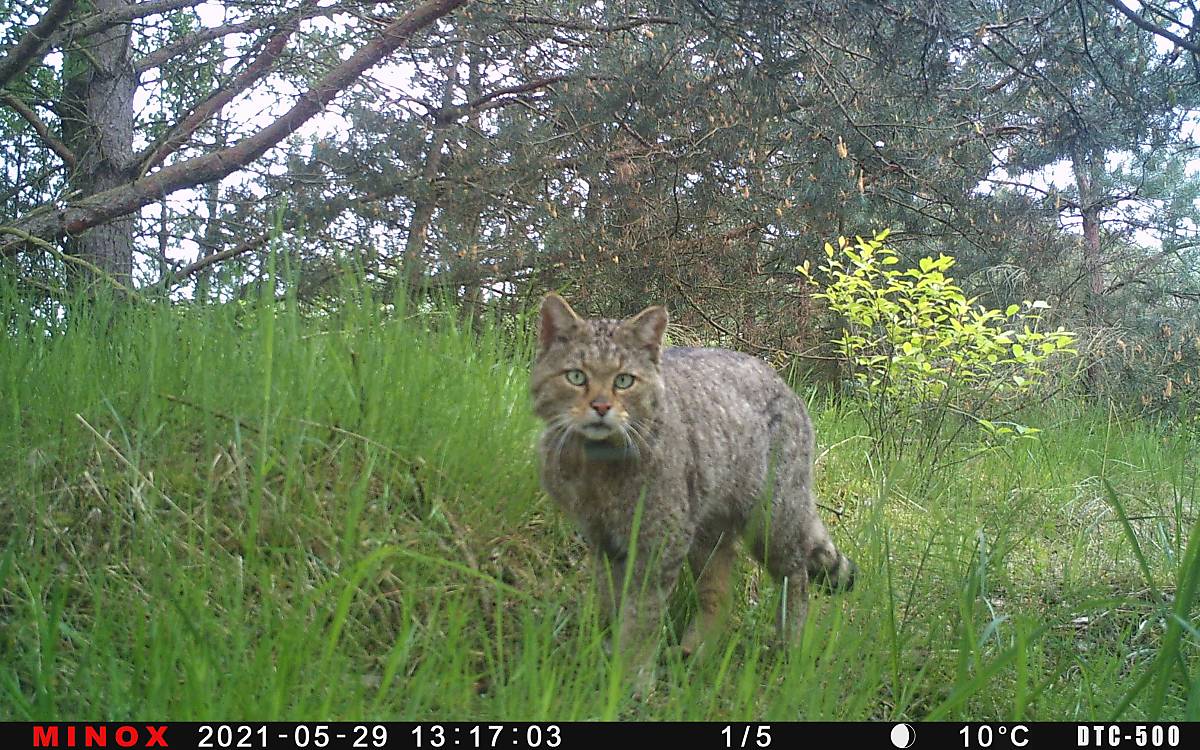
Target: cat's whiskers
x: 628, y: 433
x: 639, y: 428
x: 558, y: 429
x: 566, y: 426
x: 554, y: 425
x: 562, y: 442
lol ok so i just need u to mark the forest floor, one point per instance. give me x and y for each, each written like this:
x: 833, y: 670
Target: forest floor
x: 246, y: 513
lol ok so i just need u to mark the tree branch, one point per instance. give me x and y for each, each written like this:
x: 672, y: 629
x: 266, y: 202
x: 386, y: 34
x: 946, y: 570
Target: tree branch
x: 633, y: 23
x: 1145, y: 265
x: 494, y: 99
x: 1145, y: 25
x: 96, y: 271
x: 39, y: 127
x: 154, y: 154
x: 98, y: 22
x: 34, y: 43
x: 166, y: 54
x: 246, y: 246
x: 124, y: 199
x: 312, y: 224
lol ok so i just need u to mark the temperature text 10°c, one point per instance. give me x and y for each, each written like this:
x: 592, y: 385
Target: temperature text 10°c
x: 984, y: 735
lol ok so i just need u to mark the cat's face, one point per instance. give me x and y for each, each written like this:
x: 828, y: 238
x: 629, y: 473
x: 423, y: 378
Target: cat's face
x: 598, y: 379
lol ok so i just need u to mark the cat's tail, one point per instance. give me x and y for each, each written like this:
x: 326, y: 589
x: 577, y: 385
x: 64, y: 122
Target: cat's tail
x: 832, y: 571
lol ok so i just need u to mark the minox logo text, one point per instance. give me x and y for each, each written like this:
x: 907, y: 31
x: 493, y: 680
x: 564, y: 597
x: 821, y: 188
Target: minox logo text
x: 99, y: 735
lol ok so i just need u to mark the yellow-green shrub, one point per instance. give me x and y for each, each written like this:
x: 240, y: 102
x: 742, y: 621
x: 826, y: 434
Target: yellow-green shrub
x: 915, y: 341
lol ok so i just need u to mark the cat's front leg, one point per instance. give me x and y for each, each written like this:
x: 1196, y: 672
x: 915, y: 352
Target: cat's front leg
x: 628, y: 614
x: 610, y: 573
x: 645, y: 588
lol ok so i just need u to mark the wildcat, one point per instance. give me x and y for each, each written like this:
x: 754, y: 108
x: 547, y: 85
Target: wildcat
x: 710, y: 444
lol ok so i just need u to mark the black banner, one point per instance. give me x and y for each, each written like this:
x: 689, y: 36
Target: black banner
x: 570, y: 735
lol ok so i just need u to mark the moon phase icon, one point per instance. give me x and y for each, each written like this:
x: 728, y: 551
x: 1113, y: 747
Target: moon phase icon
x: 903, y: 735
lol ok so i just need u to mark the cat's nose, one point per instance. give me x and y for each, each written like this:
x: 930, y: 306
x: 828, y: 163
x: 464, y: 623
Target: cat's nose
x: 601, y: 407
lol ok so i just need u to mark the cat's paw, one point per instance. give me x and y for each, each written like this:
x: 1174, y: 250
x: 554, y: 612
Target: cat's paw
x: 644, y: 682
x: 692, y: 642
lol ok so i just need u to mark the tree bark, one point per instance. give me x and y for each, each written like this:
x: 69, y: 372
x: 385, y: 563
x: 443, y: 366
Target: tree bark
x: 211, y: 239
x: 1085, y: 167
x: 426, y: 197
x: 473, y: 291
x: 97, y: 122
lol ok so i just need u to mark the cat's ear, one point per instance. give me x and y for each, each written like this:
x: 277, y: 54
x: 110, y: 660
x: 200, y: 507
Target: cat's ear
x: 557, y: 320
x: 647, y: 328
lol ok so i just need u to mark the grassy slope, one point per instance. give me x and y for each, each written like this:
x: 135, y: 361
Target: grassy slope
x: 241, y: 514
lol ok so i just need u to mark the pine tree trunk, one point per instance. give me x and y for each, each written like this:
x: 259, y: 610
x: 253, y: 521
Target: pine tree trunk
x: 1085, y: 170
x: 212, y: 238
x: 97, y: 121
x: 426, y: 201
x: 473, y: 291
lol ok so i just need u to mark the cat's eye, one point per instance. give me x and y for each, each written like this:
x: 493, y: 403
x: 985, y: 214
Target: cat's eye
x: 576, y: 377
x: 623, y: 381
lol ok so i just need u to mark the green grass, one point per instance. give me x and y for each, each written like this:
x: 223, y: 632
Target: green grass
x: 243, y: 512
